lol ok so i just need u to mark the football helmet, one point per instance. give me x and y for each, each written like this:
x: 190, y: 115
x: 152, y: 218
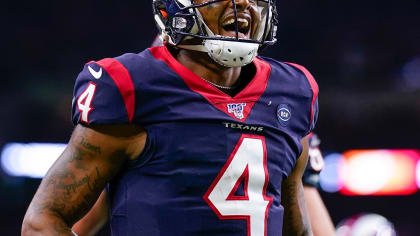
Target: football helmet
x: 179, y: 20
x: 366, y: 224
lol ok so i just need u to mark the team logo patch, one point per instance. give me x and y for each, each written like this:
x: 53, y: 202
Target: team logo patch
x: 237, y: 109
x: 284, y: 114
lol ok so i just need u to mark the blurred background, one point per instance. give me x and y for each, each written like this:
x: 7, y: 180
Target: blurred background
x: 365, y: 56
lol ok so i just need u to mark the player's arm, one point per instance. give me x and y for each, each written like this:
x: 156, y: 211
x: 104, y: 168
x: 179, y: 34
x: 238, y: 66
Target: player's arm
x: 320, y: 219
x: 73, y: 184
x: 95, y: 219
x: 296, y: 218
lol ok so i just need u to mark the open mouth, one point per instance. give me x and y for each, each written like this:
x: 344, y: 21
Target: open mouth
x: 244, y: 26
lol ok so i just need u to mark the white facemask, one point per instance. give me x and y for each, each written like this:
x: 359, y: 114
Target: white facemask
x: 226, y: 53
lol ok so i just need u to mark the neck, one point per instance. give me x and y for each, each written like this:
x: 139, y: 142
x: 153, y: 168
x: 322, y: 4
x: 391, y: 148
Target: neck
x: 202, y: 65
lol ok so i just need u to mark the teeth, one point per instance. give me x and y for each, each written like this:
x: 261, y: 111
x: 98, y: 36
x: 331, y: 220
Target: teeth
x: 231, y: 21
x: 242, y: 20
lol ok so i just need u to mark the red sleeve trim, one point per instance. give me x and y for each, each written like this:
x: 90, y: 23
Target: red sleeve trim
x: 312, y: 82
x: 121, y: 77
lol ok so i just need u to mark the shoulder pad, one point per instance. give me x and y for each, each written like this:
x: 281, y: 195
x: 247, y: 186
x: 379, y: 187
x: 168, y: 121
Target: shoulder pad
x: 103, y: 94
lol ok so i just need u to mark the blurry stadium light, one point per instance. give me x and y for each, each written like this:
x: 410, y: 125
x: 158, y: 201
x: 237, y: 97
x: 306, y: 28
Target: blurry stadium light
x: 329, y: 176
x: 29, y: 160
x: 418, y: 173
x: 379, y: 172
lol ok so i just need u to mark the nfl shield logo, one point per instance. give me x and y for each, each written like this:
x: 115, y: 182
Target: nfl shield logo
x: 237, y: 109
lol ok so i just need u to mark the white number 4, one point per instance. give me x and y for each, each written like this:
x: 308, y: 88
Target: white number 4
x: 248, y: 164
x: 85, y: 100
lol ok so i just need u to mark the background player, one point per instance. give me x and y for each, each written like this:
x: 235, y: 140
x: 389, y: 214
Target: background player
x: 232, y: 172
x: 321, y: 222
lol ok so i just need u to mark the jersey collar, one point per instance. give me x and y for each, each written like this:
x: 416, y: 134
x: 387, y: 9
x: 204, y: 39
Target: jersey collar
x: 242, y: 101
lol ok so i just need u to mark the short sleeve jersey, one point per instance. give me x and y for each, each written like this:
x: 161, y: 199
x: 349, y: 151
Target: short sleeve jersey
x: 212, y: 164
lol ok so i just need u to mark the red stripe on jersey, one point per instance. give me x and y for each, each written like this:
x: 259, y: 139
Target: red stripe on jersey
x: 249, y: 95
x: 121, y: 77
x: 312, y: 82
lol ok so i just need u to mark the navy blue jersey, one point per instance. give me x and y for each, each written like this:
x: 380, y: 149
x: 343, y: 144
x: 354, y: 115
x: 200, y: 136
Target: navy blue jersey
x: 212, y: 164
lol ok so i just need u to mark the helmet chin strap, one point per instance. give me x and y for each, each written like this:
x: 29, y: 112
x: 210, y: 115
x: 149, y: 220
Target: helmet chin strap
x: 225, y: 53
x: 199, y: 48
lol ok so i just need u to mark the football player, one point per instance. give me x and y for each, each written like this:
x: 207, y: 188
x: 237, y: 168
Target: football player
x: 320, y: 219
x: 196, y: 137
